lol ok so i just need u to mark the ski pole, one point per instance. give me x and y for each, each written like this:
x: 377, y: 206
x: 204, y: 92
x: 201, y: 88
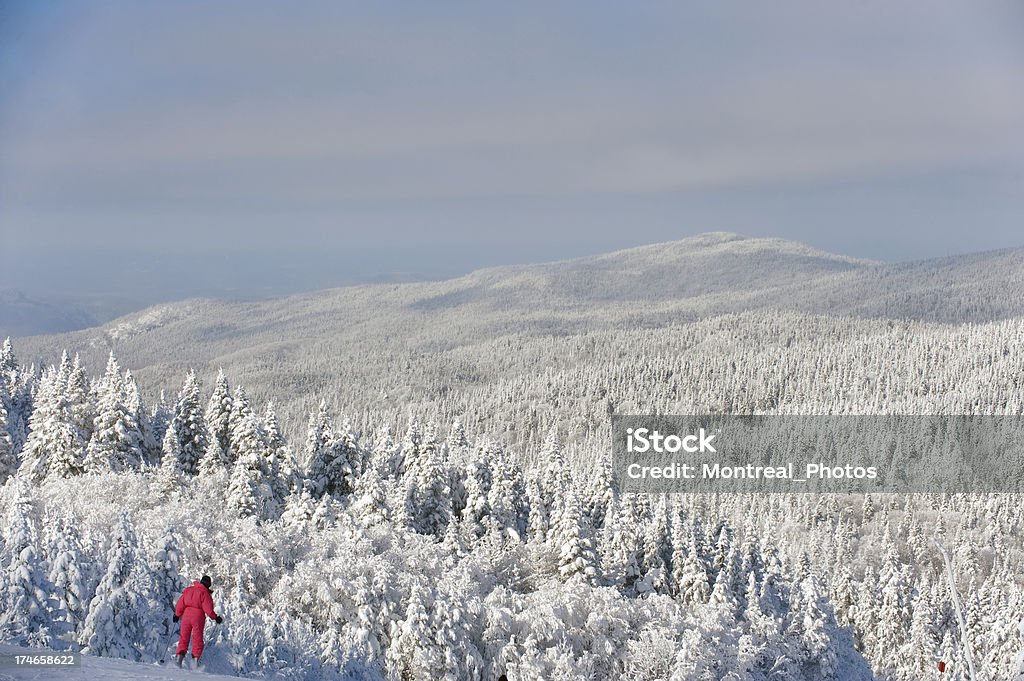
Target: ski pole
x: 175, y: 636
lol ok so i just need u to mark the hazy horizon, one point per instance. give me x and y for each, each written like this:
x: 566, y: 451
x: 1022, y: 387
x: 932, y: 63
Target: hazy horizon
x: 157, y: 152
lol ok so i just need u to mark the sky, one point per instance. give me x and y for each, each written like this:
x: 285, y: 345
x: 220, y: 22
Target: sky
x: 169, y: 149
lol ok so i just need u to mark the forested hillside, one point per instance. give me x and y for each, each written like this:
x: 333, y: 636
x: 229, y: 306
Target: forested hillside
x: 411, y: 482
x: 391, y: 348
x: 418, y: 550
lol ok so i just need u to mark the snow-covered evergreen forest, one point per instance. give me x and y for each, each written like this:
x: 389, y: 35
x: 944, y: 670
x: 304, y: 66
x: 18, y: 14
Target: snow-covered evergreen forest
x: 424, y: 548
x: 411, y: 482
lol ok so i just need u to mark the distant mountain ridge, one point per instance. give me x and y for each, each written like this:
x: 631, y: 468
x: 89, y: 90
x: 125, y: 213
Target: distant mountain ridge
x: 23, y: 315
x: 383, y: 327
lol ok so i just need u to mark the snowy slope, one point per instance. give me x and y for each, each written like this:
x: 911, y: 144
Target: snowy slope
x: 107, y: 669
x: 390, y: 340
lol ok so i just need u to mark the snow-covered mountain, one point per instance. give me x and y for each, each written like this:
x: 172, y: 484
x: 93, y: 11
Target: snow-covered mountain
x: 349, y: 550
x: 23, y: 315
x: 382, y: 339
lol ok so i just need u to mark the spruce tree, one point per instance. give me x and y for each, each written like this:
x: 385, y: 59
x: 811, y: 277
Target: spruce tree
x: 693, y: 586
x: 507, y: 499
x: 329, y: 457
x: 165, y: 584
x: 16, y: 392
x: 283, y: 470
x: 116, y: 623
x: 679, y: 542
x: 170, y: 473
x: 8, y: 366
x: 116, y: 442
x: 427, y: 493
x: 816, y: 628
x: 577, y: 557
x: 54, y: 445
x: 600, y: 496
x: 67, y: 574
x: 8, y: 459
x: 250, y: 489
x: 477, y: 488
x: 189, y: 426
x: 29, y: 610
x: 218, y: 456
x: 555, y: 479
x: 78, y: 393
x: 319, y: 439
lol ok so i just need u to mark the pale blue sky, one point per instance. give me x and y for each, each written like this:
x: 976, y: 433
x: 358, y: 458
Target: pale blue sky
x: 223, y: 147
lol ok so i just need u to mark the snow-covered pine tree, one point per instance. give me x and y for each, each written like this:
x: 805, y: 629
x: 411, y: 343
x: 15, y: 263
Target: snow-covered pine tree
x: 8, y: 367
x: 679, y: 544
x: 8, y: 459
x: 477, y: 486
x: 385, y: 455
x: 921, y: 649
x: 866, y: 613
x: 425, y: 450
x: 250, y: 490
x: 346, y: 461
x: 218, y: 456
x: 54, y: 445
x: 16, y: 390
x: 408, y: 450
x: 577, y: 557
x: 157, y: 422
x: 370, y: 499
x: 620, y: 546
x: 816, y: 630
x: 600, y: 496
x: 457, y: 444
x: 162, y: 591
x: 893, y: 623
x: 116, y: 623
x: 538, y: 523
x: 427, y: 495
x: 246, y: 494
x: 189, y: 426
x: 43, y: 425
x: 315, y: 452
x: 29, y: 611
x: 149, y: 441
x: 170, y: 474
x: 242, y: 421
x: 78, y: 393
x: 507, y: 499
x: 67, y: 574
x: 329, y: 457
x: 555, y: 479
x: 693, y: 585
x: 283, y: 468
x: 657, y: 551
x: 413, y: 653
x: 116, y: 442
x: 452, y: 624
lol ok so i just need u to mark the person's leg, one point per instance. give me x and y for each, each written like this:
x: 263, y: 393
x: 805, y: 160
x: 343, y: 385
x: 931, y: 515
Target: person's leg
x: 186, y: 632
x: 197, y: 638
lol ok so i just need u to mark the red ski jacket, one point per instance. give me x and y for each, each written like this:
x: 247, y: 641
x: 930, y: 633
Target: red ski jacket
x: 197, y: 600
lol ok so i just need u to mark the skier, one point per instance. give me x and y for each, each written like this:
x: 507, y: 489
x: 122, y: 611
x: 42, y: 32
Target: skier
x: 194, y: 605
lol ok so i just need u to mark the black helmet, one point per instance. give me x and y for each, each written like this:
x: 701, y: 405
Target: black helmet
x: 206, y: 581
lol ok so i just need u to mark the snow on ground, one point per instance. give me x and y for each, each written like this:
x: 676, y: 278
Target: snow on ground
x: 109, y: 669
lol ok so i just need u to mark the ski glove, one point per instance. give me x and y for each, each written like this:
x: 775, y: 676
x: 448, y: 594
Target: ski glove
x: 219, y: 619
x: 175, y: 619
